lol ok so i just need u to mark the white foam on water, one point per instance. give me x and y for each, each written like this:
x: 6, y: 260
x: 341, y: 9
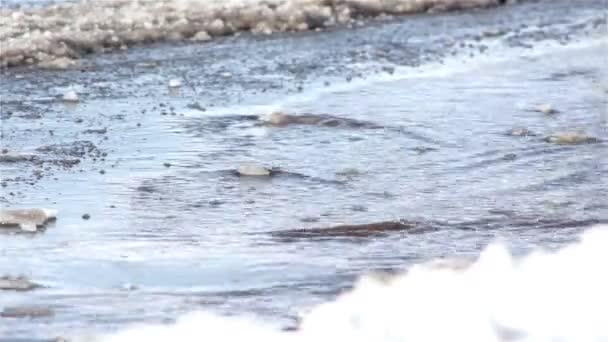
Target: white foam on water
x: 544, y: 296
x: 453, y: 65
x: 53, y: 35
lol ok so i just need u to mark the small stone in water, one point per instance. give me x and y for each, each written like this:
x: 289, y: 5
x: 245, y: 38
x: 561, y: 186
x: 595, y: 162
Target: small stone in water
x: 26, y: 311
x: 358, y: 207
x: 201, y: 36
x: 167, y: 164
x: 546, y: 109
x: 26, y: 219
x: 147, y: 65
x: 520, y: 132
x: 197, y: 106
x: 15, y: 158
x: 128, y: 287
x: 60, y: 63
x: 175, y: 83
x: 423, y: 149
x: 510, y: 156
x: 86, y: 216
x: 70, y: 96
x: 216, y: 203
x: 349, y: 172
x: 310, y: 219
x: 388, y: 69
x: 570, y: 138
x: 17, y: 283
x: 253, y: 170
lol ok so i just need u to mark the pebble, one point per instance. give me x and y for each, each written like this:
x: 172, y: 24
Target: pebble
x: 128, y: 287
x: 60, y: 63
x: 216, y: 203
x: 96, y: 131
x: 253, y: 170
x: 349, y: 172
x: 146, y: 65
x: 388, y: 69
x: 423, y: 149
x: 358, y: 207
x: 15, y: 158
x: 70, y: 96
x: 570, y: 138
x: 520, y: 132
x: 175, y: 83
x: 26, y: 311
x: 20, y: 283
x: 510, y: 156
x: 197, y: 106
x: 546, y: 109
x: 310, y: 219
x: 201, y: 36
x: 26, y: 219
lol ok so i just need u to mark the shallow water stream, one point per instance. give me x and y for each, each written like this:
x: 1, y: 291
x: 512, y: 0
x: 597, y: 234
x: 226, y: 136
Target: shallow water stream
x: 173, y: 229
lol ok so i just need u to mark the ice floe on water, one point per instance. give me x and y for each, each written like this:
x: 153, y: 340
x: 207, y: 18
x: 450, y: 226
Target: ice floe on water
x: 53, y: 36
x: 544, y: 296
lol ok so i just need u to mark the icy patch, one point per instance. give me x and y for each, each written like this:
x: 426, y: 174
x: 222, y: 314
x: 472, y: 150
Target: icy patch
x: 56, y: 34
x: 545, y: 296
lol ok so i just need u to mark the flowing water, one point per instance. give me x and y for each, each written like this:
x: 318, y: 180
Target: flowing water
x: 426, y: 111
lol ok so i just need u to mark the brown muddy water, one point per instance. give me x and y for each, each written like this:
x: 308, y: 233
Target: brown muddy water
x: 438, y: 121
